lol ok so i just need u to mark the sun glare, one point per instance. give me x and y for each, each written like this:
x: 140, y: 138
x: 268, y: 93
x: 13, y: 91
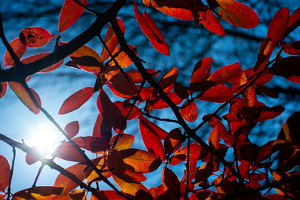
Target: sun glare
x: 45, y: 138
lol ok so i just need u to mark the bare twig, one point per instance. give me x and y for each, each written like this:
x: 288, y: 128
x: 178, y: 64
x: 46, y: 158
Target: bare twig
x: 11, y: 172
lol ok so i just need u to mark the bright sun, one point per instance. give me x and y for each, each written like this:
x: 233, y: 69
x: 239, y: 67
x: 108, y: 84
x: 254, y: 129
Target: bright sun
x: 45, y: 137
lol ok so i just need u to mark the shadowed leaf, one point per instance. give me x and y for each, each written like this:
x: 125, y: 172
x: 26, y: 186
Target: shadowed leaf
x: 3, y: 88
x: 35, y: 37
x: 4, y: 173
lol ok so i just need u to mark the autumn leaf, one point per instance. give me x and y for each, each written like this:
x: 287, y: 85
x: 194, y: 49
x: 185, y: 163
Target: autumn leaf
x: 170, y: 182
x: 111, y: 40
x: 151, y: 31
x: 121, y: 58
x: 218, y: 93
x: 18, y: 47
x: 102, y: 128
x: 24, y: 96
x: 290, y: 129
x: 93, y: 144
x: 39, y: 56
x: 3, y: 88
x: 173, y: 141
x: 72, y: 129
x: 124, y: 141
x: 110, y: 111
x: 70, y: 13
x: 140, y: 161
x: 201, y: 70
x: 4, y: 173
x: 152, y: 135
x: 137, y: 77
x: 189, y: 111
x: 224, y: 74
x: 38, y: 192
x: 125, y: 108
x: 181, y: 154
x: 236, y: 13
x: 68, y: 152
x: 122, y: 85
x: 35, y: 37
x: 168, y: 80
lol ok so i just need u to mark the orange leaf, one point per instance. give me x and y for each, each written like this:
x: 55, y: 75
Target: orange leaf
x: 181, y: 154
x: 168, y: 80
x: 19, y: 49
x: 35, y: 37
x: 152, y: 136
x: 140, y: 161
x: 72, y: 128
x: 201, y: 70
x: 38, y: 192
x: 121, y: 57
x: 136, y: 76
x: 87, y: 59
x: 111, y: 40
x: 70, y: 13
x: 79, y: 170
x: 25, y: 97
x: 278, y: 25
x: 152, y: 32
x: 4, y: 173
x: 238, y: 14
x: 124, y: 141
x: 189, y: 111
x: 76, y: 100
x: 218, y: 93
x: 3, y: 88
x: 224, y: 74
x: 38, y: 56
x: 110, y: 111
x: 173, y: 141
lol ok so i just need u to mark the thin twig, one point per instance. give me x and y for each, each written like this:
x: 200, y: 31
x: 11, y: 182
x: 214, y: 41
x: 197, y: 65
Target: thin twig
x: 186, y: 193
x: 87, y: 8
x: 158, y: 118
x: 11, y: 172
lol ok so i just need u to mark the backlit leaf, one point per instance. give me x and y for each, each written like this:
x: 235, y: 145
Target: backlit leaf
x: 111, y: 40
x: 93, y: 144
x: 38, y: 192
x: 79, y: 170
x: 122, y: 85
x: 72, y: 128
x: 168, y: 80
x: 136, y: 76
x: 290, y: 129
x: 89, y: 58
x: 294, y: 22
x: 218, y: 93
x: 70, y: 13
x: 224, y: 74
x: 170, y: 181
x: 25, y: 97
x: 140, y: 161
x: 201, y: 70
x: 189, y: 111
x: 288, y: 68
x: 110, y: 111
x: 125, y: 107
x: 173, y: 141
x: 238, y: 14
x: 4, y: 173
x: 68, y: 152
x: 292, y: 48
x: 152, y: 136
x: 121, y: 57
x: 38, y: 56
x: 278, y: 25
x: 181, y: 154
x: 212, y: 23
x: 35, y: 37
x: 19, y: 49
x: 124, y: 141
x: 76, y: 100
x: 162, y: 104
x: 3, y: 88
x: 102, y: 128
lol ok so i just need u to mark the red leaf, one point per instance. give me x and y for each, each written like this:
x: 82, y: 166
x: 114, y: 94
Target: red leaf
x: 173, y: 141
x: 122, y: 58
x: 269, y: 112
x: 19, y: 49
x: 152, y: 136
x: 189, y: 111
x: 218, y: 93
x: 72, y: 128
x: 76, y: 100
x: 25, y: 97
x: 181, y: 154
x: 162, y: 104
x: 3, y: 88
x: 70, y: 13
x: 68, y: 152
x: 4, y: 173
x: 110, y: 111
x: 38, y: 56
x: 278, y: 25
x: 168, y: 80
x: 294, y: 22
x: 290, y: 129
x: 93, y: 144
x: 111, y: 40
x: 201, y: 70
x: 122, y: 85
x: 102, y: 128
x: 152, y: 32
x: 136, y: 76
x: 125, y: 107
x: 212, y: 23
x: 170, y: 181
x: 31, y: 159
x: 224, y: 74
x: 238, y: 14
x: 292, y: 48
x: 35, y: 37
